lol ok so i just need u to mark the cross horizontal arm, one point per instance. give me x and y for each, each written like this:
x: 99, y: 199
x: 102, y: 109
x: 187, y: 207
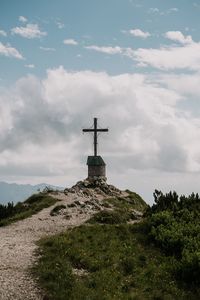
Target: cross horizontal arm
x: 97, y: 130
x: 103, y: 130
x: 88, y: 130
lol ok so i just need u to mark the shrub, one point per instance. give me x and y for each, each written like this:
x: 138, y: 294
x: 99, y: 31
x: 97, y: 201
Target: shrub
x: 174, y: 225
x: 25, y: 209
x: 7, y: 210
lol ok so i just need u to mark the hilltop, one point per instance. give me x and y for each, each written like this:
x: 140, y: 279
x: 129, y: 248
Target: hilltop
x: 71, y: 208
x: 94, y: 241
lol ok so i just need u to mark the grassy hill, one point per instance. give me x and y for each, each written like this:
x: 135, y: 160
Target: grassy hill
x: 114, y: 257
x: 10, y: 213
x: 116, y: 254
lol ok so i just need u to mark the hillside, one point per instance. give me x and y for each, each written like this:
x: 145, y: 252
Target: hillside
x: 116, y: 256
x: 12, y: 192
x: 74, y: 207
x: 99, y: 246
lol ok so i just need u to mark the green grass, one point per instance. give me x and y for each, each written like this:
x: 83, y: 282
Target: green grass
x: 132, y: 201
x: 137, y: 201
x: 117, y: 260
x: 119, y: 209
x: 107, y: 259
x: 110, y: 217
x: 31, y: 206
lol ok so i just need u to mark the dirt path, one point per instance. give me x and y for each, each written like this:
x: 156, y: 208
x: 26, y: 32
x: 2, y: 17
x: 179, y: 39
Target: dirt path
x: 18, y: 243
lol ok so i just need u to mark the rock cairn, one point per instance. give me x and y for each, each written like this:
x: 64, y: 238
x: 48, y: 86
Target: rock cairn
x: 93, y: 187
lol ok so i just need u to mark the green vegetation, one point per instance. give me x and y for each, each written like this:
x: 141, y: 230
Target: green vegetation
x: 133, y: 201
x: 110, y: 259
x: 105, y: 262
x: 110, y: 217
x: 11, y: 213
x: 6, y: 210
x: 136, y: 200
x: 119, y: 209
x: 174, y: 226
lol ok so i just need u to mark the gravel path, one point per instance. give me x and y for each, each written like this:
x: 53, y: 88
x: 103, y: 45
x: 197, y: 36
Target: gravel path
x: 18, y: 243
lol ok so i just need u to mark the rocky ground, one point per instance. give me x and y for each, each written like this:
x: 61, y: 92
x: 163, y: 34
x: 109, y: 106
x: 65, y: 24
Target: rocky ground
x: 18, y: 241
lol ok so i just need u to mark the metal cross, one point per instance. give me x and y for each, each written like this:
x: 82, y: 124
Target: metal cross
x: 95, y: 130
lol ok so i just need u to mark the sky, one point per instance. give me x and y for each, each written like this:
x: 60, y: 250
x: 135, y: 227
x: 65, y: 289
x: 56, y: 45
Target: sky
x: 135, y: 65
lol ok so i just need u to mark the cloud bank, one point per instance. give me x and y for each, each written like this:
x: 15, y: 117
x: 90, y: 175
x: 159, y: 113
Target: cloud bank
x: 148, y: 130
x: 151, y: 131
x: 170, y: 57
x: 184, y: 56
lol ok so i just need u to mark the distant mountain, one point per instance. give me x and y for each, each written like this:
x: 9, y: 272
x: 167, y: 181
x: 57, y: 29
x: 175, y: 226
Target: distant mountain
x: 12, y: 192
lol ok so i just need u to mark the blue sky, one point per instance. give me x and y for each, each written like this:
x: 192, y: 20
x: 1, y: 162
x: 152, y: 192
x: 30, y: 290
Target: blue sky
x: 91, y: 22
x: 133, y: 64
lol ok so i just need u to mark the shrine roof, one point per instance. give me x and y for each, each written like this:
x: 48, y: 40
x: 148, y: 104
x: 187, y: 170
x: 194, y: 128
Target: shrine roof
x: 95, y: 161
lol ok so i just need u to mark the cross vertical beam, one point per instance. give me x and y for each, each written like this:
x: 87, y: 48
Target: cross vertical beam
x: 95, y: 136
x: 95, y: 130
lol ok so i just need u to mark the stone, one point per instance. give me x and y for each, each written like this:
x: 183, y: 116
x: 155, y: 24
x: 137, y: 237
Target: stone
x: 94, y: 186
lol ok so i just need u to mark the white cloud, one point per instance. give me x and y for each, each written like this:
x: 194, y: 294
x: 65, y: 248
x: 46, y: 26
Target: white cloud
x: 3, y: 33
x: 30, y: 66
x: 9, y: 51
x: 106, y: 49
x: 112, y: 50
x: 30, y: 31
x: 139, y: 33
x: 70, y: 42
x: 170, y: 58
x: 178, y: 36
x: 47, y: 49
x: 186, y: 85
x: 186, y: 56
x: 150, y: 133
x: 146, y: 118
x: 23, y: 19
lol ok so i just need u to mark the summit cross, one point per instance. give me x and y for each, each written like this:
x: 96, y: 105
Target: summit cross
x: 95, y: 130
